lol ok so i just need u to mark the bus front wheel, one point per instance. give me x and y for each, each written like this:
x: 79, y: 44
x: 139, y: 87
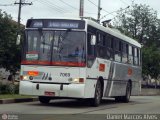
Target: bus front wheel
x: 98, y: 95
x: 44, y: 99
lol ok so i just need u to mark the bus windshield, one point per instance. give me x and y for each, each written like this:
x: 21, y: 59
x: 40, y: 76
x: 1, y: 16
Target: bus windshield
x: 65, y: 48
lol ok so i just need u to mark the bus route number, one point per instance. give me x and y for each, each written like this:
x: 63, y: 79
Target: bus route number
x: 65, y: 74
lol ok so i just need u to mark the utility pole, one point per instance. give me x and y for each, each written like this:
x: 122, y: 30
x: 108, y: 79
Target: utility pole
x: 19, y: 12
x: 99, y: 11
x: 81, y: 8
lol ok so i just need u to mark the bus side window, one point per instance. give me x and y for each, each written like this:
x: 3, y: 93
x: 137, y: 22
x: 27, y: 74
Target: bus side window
x: 130, y: 57
x: 139, y: 54
x: 101, y: 45
x: 90, y: 50
x: 118, y: 50
x: 124, y: 53
x: 110, y: 48
x: 135, y: 56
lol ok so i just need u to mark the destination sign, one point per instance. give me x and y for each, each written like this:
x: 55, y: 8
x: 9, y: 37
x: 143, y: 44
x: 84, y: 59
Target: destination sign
x: 37, y: 24
x: 55, y: 23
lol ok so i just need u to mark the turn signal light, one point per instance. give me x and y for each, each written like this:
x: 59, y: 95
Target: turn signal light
x: 76, y: 80
x: 33, y: 73
x: 81, y: 80
x: 21, y: 77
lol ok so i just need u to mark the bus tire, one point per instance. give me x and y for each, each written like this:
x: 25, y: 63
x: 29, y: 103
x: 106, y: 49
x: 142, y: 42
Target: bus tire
x: 44, y: 99
x: 126, y: 98
x: 118, y: 99
x: 98, y: 95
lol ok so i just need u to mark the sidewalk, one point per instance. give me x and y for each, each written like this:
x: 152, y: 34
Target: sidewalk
x: 150, y: 92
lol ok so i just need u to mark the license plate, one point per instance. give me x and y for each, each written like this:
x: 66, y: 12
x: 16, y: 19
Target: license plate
x: 47, y: 93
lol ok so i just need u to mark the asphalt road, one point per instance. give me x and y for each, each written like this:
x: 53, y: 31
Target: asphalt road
x: 80, y: 110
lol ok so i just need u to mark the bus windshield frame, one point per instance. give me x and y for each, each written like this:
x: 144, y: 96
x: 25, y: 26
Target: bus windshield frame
x: 54, y: 47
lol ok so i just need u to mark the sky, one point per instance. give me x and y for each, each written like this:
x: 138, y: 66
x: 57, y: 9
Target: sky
x: 70, y: 8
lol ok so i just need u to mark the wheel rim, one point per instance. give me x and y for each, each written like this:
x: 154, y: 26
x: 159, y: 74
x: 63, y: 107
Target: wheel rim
x: 98, y: 93
x: 128, y: 92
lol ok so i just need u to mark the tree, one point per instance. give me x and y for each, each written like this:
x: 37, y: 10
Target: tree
x: 140, y: 22
x: 9, y: 51
x: 151, y: 61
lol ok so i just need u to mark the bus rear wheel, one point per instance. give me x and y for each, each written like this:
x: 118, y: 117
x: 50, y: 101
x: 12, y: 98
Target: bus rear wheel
x: 125, y: 98
x: 98, y: 95
x: 44, y: 99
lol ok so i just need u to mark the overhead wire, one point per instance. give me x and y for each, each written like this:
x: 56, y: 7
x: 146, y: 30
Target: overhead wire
x: 34, y: 0
x: 93, y: 3
x: 111, y: 13
x: 52, y: 6
x: 7, y: 4
x: 97, y: 5
x: 74, y: 7
x: 49, y: 6
x: 114, y: 12
x: 124, y: 2
x: 56, y: 6
x: 69, y: 5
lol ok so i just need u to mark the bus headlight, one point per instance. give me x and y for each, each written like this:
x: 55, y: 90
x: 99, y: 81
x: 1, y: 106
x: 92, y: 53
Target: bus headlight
x: 25, y: 78
x: 76, y: 80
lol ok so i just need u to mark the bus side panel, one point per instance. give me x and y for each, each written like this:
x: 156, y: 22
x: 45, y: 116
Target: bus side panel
x: 90, y: 88
x: 122, y: 74
x: 100, y: 68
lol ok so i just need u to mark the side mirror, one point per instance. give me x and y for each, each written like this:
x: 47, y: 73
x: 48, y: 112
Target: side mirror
x: 93, y: 40
x: 18, y: 39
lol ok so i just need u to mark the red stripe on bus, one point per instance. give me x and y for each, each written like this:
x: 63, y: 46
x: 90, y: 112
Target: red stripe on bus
x: 37, y: 62
x: 79, y: 64
x: 32, y: 52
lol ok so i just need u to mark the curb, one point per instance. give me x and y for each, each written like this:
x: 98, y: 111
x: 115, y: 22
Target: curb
x: 17, y: 100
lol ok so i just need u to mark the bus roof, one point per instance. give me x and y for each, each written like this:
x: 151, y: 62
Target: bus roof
x: 108, y: 30
x: 113, y: 32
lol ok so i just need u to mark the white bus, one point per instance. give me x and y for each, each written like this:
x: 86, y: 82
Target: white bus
x: 78, y: 58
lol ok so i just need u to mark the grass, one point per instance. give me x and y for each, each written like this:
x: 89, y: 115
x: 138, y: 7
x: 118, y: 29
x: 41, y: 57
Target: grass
x: 7, y: 96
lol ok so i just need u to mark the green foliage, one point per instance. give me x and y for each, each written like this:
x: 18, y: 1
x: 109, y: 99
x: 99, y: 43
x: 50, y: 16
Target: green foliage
x: 9, y: 51
x: 9, y: 89
x: 151, y: 61
x: 140, y: 22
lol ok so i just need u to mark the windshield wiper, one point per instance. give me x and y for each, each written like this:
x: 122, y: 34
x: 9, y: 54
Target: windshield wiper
x: 65, y: 34
x: 41, y: 34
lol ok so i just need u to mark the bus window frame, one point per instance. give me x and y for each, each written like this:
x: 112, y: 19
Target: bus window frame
x: 109, y: 43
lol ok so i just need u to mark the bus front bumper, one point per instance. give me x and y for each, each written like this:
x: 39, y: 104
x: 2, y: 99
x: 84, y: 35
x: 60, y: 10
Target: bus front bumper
x: 53, y: 90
